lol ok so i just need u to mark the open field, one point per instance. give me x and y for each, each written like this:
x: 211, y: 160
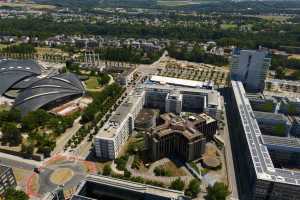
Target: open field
x: 52, y: 51
x: 4, y: 108
x: 228, y: 26
x: 92, y: 83
x: 28, y: 5
x: 180, y: 2
x: 273, y: 17
x: 295, y: 56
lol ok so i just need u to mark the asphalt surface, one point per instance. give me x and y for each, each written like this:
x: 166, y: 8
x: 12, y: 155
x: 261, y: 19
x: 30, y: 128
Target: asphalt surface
x: 14, y: 161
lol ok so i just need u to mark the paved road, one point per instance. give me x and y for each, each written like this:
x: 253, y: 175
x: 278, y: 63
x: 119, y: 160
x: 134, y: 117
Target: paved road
x: 18, y: 162
x: 62, y: 141
x: 152, y: 68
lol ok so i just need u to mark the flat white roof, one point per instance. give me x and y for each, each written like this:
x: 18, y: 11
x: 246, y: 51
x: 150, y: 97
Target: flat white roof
x: 182, y: 82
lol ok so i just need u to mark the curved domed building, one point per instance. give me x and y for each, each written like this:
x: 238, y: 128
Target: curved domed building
x: 48, y: 92
x: 34, y: 89
x: 14, y: 71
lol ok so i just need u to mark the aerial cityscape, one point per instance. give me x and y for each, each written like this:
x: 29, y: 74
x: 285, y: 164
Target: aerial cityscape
x: 149, y: 100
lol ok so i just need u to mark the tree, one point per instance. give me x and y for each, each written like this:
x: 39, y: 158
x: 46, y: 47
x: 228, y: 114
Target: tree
x: 280, y: 72
x: 127, y: 174
x: 106, y: 170
x: 13, y: 194
x: 35, y: 119
x: 279, y: 130
x: 103, y: 79
x: 219, y: 191
x: 193, y: 188
x: 177, y: 184
x: 27, y: 148
x: 11, y: 133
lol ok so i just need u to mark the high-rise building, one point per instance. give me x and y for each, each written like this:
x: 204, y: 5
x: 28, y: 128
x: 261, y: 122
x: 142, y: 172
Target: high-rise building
x: 250, y: 67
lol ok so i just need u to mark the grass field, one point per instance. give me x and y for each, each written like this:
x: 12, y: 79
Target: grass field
x: 274, y: 17
x: 295, y: 56
x: 4, y: 107
x: 180, y: 2
x: 46, y: 50
x: 27, y: 5
x: 228, y: 26
x: 92, y: 83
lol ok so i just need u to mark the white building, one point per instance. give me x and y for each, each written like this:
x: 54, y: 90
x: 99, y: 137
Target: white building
x: 116, y: 131
x: 251, y: 68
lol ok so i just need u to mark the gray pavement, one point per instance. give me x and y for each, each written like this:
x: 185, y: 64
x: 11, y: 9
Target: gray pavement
x: 15, y: 161
x: 229, y: 159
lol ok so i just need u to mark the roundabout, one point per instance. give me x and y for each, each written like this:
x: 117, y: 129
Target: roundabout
x: 61, y: 176
x: 58, y: 171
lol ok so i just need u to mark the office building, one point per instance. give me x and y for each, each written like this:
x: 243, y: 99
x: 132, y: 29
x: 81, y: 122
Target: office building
x: 7, y: 179
x: 179, y: 136
x: 251, y: 68
x: 174, y: 102
x: 282, y: 85
x: 263, y: 103
x: 116, y: 131
x: 273, y: 124
x: 284, y: 151
x: 259, y: 179
x: 170, y: 98
x: 290, y: 105
x: 295, y: 120
x: 107, y: 188
x: 126, y: 76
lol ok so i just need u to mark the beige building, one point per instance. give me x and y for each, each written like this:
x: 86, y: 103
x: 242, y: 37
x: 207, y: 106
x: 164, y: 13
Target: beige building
x: 178, y: 136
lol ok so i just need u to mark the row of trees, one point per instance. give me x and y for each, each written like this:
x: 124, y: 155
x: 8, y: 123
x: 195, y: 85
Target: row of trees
x: 197, y: 54
x: 281, y: 63
x: 102, y: 102
x: 19, y: 48
x: 128, y: 54
x: 219, y: 191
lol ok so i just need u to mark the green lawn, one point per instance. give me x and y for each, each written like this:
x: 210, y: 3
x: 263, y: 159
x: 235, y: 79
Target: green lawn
x: 228, y: 26
x: 4, y: 107
x: 92, y: 83
x: 179, y: 2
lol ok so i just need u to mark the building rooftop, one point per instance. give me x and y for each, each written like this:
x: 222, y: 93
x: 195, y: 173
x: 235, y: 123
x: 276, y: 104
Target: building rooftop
x: 3, y: 168
x: 180, y: 82
x: 261, y: 159
x: 281, y: 143
x: 119, y: 115
x: 269, y: 116
x: 48, y: 90
x: 174, y: 123
x: 13, y: 71
x: 283, y: 82
x: 124, y: 185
